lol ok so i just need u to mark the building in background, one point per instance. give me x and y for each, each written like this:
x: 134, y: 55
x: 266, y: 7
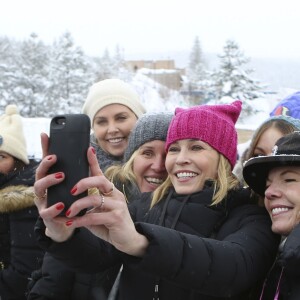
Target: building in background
x: 161, y: 71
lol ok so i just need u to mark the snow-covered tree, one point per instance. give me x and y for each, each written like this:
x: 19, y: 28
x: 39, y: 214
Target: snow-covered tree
x: 197, y: 83
x: 70, y: 76
x: 112, y: 66
x: 233, y: 79
x: 24, y: 75
x: 7, y: 68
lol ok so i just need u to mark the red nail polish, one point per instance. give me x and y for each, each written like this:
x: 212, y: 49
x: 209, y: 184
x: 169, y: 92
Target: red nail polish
x: 68, y: 212
x: 49, y: 157
x: 58, y: 175
x: 74, y: 190
x: 59, y: 206
x: 69, y: 222
x: 93, y: 150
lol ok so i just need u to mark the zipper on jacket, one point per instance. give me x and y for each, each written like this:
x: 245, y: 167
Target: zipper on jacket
x: 156, y: 296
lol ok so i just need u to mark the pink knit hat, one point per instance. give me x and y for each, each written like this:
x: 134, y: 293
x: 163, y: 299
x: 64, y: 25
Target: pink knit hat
x: 213, y: 124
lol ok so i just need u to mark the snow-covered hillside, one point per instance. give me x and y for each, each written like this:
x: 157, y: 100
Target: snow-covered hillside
x: 153, y: 102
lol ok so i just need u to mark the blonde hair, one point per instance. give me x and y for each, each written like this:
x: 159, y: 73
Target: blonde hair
x: 123, y: 172
x: 225, y: 182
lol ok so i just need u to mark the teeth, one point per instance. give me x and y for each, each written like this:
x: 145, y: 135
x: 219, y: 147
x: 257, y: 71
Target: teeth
x: 278, y: 210
x: 186, y: 174
x: 117, y: 140
x: 154, y: 180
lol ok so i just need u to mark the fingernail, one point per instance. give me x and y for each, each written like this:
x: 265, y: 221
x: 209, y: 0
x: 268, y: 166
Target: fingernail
x: 93, y: 150
x: 58, y: 175
x: 68, y: 212
x: 69, y: 222
x: 49, y: 157
x: 74, y: 190
x: 59, y: 206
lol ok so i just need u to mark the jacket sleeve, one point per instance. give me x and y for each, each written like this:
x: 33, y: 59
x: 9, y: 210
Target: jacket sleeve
x: 242, y: 255
x: 55, y: 281
x: 77, y: 251
x: 25, y: 254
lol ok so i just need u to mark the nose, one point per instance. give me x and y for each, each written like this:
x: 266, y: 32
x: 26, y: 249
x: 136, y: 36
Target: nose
x: 158, y: 164
x: 182, y: 158
x: 112, y: 127
x: 272, y: 192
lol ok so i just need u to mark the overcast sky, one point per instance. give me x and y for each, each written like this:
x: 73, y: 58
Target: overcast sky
x: 262, y: 28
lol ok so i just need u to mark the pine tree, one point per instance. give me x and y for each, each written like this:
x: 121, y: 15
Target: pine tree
x: 197, y: 74
x: 7, y: 69
x: 70, y: 76
x: 24, y: 75
x: 233, y: 79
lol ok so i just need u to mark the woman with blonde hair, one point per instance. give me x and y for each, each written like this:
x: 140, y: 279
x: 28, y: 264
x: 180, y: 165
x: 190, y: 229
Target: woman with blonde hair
x: 113, y: 107
x: 199, y: 236
x: 144, y: 168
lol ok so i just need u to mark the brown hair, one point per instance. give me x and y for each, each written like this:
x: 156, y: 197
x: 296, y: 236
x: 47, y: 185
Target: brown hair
x: 280, y: 124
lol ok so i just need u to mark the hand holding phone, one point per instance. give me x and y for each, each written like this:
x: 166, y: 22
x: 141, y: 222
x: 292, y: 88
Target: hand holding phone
x: 69, y: 140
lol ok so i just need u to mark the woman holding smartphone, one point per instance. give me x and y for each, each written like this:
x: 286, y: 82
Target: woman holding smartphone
x: 143, y: 171
x: 198, y: 236
x: 113, y: 108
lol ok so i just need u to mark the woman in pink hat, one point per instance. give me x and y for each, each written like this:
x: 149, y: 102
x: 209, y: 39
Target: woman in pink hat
x: 197, y: 236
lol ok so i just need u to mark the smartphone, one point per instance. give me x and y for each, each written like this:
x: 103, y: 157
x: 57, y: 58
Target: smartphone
x: 69, y: 140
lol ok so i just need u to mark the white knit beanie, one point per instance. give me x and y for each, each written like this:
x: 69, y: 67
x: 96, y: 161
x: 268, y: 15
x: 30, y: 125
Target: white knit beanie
x: 111, y: 91
x: 12, y: 139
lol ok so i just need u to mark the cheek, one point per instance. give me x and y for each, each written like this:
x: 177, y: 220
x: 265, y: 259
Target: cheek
x: 127, y: 127
x: 6, y: 167
x: 137, y: 166
x: 210, y: 167
x: 267, y: 205
x: 99, y: 132
x: 169, y: 163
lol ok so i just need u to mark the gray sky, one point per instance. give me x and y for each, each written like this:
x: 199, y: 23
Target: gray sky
x: 262, y: 28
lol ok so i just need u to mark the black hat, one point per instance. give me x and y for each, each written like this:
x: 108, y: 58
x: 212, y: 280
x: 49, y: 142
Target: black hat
x: 286, y: 152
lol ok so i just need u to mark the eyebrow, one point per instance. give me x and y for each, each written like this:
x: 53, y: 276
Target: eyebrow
x: 146, y: 147
x: 290, y: 171
x: 295, y: 172
x: 116, y: 115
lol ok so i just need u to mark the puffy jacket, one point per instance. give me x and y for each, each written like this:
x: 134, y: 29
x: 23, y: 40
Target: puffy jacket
x: 196, y: 251
x: 19, y: 251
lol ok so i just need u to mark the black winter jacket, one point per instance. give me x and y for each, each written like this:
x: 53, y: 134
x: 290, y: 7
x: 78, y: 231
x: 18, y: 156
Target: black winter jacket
x: 212, y: 252
x: 287, y: 265
x: 19, y: 251
x: 57, y: 282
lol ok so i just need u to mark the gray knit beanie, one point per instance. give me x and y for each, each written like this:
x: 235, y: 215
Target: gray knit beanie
x: 149, y: 127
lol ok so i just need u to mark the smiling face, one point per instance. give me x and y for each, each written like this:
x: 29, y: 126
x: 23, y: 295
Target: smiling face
x: 282, y: 198
x: 112, y: 125
x: 190, y: 163
x: 149, y: 166
x: 6, y: 163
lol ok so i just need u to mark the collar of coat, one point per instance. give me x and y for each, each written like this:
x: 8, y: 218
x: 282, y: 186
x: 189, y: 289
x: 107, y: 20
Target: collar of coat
x: 15, y: 198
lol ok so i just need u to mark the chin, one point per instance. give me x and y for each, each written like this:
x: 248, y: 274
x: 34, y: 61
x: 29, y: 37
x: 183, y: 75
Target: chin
x: 185, y: 190
x: 116, y: 153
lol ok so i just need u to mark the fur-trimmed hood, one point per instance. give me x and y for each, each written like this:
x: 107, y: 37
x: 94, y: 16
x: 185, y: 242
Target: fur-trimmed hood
x: 15, y: 198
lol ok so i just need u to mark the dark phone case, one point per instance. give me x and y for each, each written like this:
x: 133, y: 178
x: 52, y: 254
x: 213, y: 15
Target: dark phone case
x: 69, y: 141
